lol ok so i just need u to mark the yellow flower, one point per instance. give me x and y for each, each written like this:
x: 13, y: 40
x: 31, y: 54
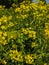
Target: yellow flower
x: 17, y: 10
x: 4, y: 62
x: 5, y: 42
x: 3, y: 27
x: 15, y: 55
x: 1, y: 32
x: 10, y: 55
x: 1, y: 19
x: 5, y: 21
x: 11, y: 36
x: 0, y: 23
x: 30, y: 35
x: 10, y: 17
x: 3, y: 38
x: 34, y: 36
x: 17, y: 59
x: 22, y: 6
x: 45, y: 63
x: 0, y: 6
x: 33, y: 44
x: 5, y: 34
x: 29, y: 59
x: 4, y: 18
x: 17, y: 16
x: 24, y: 16
x: 47, y: 25
x: 11, y: 24
x: 46, y: 33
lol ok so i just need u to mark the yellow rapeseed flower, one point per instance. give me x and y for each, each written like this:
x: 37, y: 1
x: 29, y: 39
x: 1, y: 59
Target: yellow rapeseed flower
x: 45, y: 63
x: 47, y: 16
x: 24, y: 16
x: 0, y: 6
x: 11, y: 24
x: 11, y: 36
x: 4, y: 17
x: 5, y: 34
x: 3, y: 38
x: 32, y: 34
x: 3, y: 27
x: 5, y: 21
x: 29, y: 59
x: 4, y: 62
x: 1, y: 32
x: 1, y: 19
x: 17, y: 9
x: 22, y: 6
x: 5, y: 42
x: 10, y: 17
x: 46, y: 33
x: 33, y: 44
x: 14, y: 54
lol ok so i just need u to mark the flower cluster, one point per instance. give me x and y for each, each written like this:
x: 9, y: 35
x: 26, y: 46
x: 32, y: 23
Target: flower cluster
x: 15, y: 55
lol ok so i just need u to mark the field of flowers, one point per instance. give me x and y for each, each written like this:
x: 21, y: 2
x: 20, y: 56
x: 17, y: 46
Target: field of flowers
x: 24, y: 34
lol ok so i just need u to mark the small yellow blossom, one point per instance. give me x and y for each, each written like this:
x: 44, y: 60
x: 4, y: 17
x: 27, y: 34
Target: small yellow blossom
x: 29, y: 59
x: 0, y: 6
x: 4, y: 62
x: 11, y: 24
x: 17, y: 9
x: 15, y: 55
x: 5, y: 42
x: 5, y: 34
x: 1, y: 32
x: 5, y: 21
x: 47, y: 25
x: 46, y: 33
x: 3, y: 38
x: 17, y: 16
x: 33, y: 44
x: 45, y: 63
x: 24, y: 16
x: 25, y: 31
x: 11, y: 36
x: 3, y: 27
x: 30, y: 35
x: 0, y: 23
x: 4, y: 18
x: 10, y: 18
x: 1, y: 19
x: 34, y: 36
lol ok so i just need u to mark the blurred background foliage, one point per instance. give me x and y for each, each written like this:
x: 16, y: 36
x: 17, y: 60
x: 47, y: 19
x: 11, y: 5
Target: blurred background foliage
x: 8, y: 3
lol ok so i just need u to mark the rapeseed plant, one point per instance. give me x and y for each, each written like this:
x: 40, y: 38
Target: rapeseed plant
x: 24, y: 34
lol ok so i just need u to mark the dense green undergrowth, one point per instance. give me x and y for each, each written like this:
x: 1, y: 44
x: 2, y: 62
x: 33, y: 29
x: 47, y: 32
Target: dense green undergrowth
x: 24, y: 34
